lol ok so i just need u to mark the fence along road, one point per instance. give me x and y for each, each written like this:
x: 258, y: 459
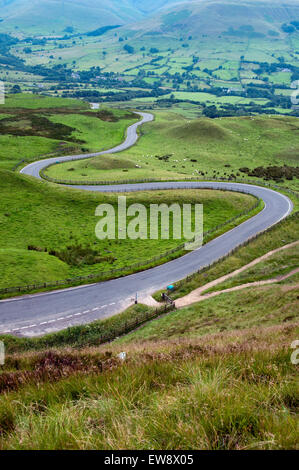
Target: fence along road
x: 38, y: 314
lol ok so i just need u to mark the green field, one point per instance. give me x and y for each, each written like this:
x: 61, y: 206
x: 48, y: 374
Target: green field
x: 47, y: 217
x: 107, y: 168
x: 28, y: 101
x: 176, y: 147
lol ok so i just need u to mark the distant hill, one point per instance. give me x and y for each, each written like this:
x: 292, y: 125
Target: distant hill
x: 245, y: 18
x: 56, y: 16
x: 194, y: 17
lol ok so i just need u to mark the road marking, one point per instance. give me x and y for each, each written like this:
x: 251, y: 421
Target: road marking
x: 54, y: 321
x: 42, y: 294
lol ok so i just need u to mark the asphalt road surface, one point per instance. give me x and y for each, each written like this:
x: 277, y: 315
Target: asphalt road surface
x: 38, y: 314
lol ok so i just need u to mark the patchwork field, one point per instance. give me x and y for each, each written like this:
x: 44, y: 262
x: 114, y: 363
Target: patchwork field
x: 239, y: 64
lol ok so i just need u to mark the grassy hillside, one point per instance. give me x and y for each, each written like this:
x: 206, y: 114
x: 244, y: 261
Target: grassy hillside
x: 214, y: 375
x: 277, y: 265
x: 50, y: 17
x: 284, y: 233
x: 174, y: 147
x: 247, y: 18
x: 32, y: 127
x: 207, y: 390
x: 257, y: 306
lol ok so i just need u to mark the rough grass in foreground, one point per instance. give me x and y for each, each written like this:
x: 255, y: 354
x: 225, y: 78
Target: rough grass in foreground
x: 225, y: 391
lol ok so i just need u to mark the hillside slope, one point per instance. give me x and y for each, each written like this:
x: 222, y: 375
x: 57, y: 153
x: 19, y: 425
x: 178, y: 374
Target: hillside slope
x: 209, y: 17
x: 233, y: 390
x: 49, y: 16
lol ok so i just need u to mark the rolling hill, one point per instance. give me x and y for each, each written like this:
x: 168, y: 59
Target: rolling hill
x: 55, y: 16
x: 245, y: 19
x: 230, y: 18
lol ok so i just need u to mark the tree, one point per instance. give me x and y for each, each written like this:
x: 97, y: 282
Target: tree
x: 129, y: 49
x: 16, y: 89
x: 210, y: 112
x: 288, y: 28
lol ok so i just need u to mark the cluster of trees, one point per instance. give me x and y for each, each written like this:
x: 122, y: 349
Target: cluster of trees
x: 276, y: 173
x: 290, y: 27
x: 101, y: 31
x: 243, y: 31
x: 266, y: 68
x: 115, y: 96
x: 230, y: 110
x: 6, y: 42
x: 129, y: 49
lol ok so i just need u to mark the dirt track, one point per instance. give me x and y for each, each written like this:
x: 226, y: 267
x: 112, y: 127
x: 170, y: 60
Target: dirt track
x: 198, y: 294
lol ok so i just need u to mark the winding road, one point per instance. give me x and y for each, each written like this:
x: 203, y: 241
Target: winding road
x: 38, y: 314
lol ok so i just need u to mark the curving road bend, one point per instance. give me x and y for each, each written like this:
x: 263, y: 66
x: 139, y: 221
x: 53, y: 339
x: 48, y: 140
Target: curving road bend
x: 38, y: 314
x: 33, y: 169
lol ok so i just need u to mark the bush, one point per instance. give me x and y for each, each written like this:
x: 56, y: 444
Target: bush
x: 76, y: 255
